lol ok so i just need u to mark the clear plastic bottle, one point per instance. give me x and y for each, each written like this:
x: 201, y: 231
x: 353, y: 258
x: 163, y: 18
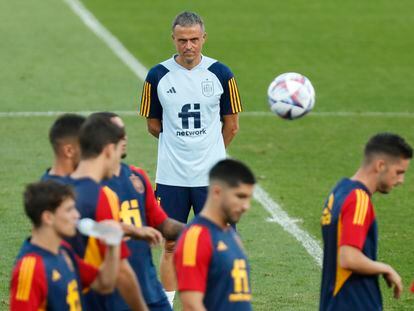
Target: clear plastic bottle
x: 109, y: 234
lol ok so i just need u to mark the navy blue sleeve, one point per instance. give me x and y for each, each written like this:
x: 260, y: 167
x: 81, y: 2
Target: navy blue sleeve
x: 230, y: 99
x: 150, y: 103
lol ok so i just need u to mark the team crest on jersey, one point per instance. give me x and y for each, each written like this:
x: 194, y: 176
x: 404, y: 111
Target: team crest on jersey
x: 207, y: 87
x: 137, y: 183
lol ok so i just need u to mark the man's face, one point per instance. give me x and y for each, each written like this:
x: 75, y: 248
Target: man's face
x: 235, y: 201
x: 114, y: 154
x: 189, y: 42
x: 65, y: 217
x: 392, y: 174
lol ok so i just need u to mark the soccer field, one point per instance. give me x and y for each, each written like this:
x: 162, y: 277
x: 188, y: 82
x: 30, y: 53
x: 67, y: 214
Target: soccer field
x: 358, y: 56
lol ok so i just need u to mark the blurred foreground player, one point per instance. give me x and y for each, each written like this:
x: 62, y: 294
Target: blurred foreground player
x: 140, y: 208
x: 101, y: 147
x: 349, y: 229
x: 47, y: 274
x: 211, y: 265
x: 64, y: 138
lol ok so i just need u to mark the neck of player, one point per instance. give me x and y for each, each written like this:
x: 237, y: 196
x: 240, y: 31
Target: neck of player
x: 91, y: 168
x: 188, y: 64
x: 212, y: 212
x: 46, y: 238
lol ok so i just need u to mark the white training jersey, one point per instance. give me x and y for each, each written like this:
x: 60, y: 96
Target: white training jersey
x: 190, y: 104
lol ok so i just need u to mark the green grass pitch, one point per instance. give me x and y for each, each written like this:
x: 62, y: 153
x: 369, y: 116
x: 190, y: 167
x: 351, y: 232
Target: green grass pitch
x: 358, y: 55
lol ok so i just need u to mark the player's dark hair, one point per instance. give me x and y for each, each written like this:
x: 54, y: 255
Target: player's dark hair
x: 96, y: 133
x: 232, y: 172
x: 389, y: 144
x: 106, y: 114
x: 66, y: 126
x: 44, y: 196
x: 187, y: 19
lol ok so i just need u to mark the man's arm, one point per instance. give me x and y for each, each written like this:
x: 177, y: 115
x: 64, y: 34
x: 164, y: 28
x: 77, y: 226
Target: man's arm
x: 108, y: 271
x: 154, y: 127
x: 171, y: 229
x: 230, y: 128
x: 129, y: 288
x: 192, y: 301
x: 149, y: 234
x: 351, y: 258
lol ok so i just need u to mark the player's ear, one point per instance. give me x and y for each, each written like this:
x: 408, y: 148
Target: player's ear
x: 380, y: 165
x: 47, y: 218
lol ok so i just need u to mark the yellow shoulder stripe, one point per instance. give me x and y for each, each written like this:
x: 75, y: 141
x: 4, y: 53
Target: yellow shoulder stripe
x: 25, y: 278
x: 113, y: 202
x: 234, y: 96
x: 145, y: 99
x: 190, y: 246
x: 361, y: 207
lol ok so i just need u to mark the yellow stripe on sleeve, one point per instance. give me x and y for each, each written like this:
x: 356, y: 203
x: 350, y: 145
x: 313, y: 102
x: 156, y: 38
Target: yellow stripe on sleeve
x: 361, y: 207
x: 113, y: 202
x: 357, y: 206
x: 237, y: 105
x: 145, y: 100
x: 148, y: 99
x: 190, y: 246
x: 364, y: 208
x: 232, y: 99
x: 25, y: 278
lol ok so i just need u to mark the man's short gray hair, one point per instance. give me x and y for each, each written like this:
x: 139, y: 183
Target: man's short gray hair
x: 187, y: 19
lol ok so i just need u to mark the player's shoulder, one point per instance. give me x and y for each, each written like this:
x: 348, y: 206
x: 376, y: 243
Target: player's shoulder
x: 156, y: 73
x: 222, y: 71
x: 31, y: 259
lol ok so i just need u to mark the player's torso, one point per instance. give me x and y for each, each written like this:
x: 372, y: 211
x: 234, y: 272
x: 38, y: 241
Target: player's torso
x: 191, y: 140
x: 130, y: 188
x: 340, y: 289
x: 63, y: 284
x: 228, y: 281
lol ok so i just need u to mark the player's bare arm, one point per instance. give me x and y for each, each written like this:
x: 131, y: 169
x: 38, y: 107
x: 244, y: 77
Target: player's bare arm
x: 230, y: 128
x: 192, y: 301
x: 108, y: 271
x: 154, y: 127
x: 353, y: 259
x: 149, y: 234
x: 171, y: 229
x: 129, y: 288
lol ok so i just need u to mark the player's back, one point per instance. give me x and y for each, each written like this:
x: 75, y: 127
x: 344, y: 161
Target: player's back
x: 43, y: 280
x: 348, y: 219
x: 226, y: 283
x: 99, y: 203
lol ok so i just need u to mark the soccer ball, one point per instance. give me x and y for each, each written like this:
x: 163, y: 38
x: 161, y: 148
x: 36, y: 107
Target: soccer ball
x: 291, y: 95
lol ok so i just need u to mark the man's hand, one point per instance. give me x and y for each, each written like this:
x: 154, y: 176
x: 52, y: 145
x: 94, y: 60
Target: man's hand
x: 393, y: 279
x: 149, y: 234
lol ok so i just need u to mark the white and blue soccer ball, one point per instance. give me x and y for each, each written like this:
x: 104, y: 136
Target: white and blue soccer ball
x: 291, y: 95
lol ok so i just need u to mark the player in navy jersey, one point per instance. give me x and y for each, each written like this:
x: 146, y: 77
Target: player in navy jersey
x: 140, y: 208
x: 191, y: 103
x: 101, y: 147
x: 64, y: 138
x: 349, y: 229
x: 47, y: 274
x: 211, y: 265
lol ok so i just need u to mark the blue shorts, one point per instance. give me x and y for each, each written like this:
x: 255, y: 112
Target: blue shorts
x: 177, y: 201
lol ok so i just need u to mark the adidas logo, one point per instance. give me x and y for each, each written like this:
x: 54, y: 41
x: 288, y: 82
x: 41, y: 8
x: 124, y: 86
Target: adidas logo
x: 171, y: 91
x: 221, y: 246
x: 55, y: 275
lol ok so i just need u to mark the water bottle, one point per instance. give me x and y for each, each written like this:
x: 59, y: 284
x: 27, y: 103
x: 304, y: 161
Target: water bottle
x: 110, y: 235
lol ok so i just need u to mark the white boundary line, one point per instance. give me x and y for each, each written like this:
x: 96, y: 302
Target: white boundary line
x: 261, y: 196
x: 345, y: 114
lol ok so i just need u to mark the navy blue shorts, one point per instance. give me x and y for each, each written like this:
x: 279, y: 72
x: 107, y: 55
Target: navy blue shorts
x: 177, y: 201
